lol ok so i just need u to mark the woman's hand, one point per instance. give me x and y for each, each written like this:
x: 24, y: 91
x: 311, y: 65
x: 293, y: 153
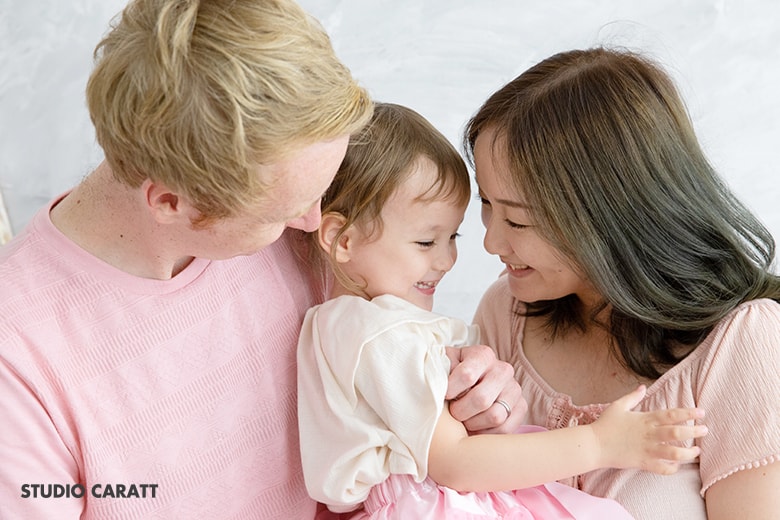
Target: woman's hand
x: 651, y: 441
x: 478, y: 381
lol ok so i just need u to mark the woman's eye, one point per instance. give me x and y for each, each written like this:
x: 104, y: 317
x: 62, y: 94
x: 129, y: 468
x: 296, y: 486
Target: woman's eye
x: 483, y: 200
x: 425, y: 243
x: 515, y: 225
x: 454, y: 236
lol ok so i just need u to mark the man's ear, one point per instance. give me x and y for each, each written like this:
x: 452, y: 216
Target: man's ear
x: 165, y: 205
x: 330, y: 226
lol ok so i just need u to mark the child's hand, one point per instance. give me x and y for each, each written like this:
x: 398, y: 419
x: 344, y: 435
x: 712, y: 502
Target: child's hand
x: 647, y: 440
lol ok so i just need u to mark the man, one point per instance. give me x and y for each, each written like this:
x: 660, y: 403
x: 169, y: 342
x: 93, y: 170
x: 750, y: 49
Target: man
x: 150, y: 315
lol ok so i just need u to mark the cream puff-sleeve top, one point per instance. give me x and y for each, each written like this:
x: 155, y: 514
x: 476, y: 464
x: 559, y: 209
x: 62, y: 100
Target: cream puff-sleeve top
x: 371, y: 382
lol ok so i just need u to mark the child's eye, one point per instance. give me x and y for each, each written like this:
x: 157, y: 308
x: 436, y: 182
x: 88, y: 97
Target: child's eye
x: 425, y: 243
x: 454, y: 236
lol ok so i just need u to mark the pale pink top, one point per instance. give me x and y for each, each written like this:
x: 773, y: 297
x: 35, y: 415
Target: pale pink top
x: 189, y: 383
x: 734, y: 375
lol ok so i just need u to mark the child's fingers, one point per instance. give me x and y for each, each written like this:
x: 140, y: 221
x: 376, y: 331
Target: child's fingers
x: 667, y: 458
x: 678, y: 415
x: 679, y: 432
x: 672, y: 453
x: 662, y: 467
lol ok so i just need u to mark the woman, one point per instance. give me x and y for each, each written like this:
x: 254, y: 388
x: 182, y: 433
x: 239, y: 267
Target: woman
x: 629, y: 261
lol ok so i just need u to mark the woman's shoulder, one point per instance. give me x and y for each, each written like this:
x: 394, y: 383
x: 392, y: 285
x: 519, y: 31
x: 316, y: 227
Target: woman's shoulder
x: 749, y: 329
x: 761, y: 304
x: 755, y: 318
x: 737, y: 381
x: 740, y: 347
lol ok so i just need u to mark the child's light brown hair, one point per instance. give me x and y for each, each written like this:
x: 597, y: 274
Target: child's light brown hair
x: 379, y: 159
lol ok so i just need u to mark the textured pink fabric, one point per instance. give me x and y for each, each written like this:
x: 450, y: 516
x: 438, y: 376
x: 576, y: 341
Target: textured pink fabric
x: 188, y: 384
x: 734, y: 375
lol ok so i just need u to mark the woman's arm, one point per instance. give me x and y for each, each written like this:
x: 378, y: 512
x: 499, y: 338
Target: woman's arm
x: 751, y: 493
x: 620, y: 438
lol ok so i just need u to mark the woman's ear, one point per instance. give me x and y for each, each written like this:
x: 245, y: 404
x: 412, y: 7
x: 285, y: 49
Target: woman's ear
x: 332, y: 223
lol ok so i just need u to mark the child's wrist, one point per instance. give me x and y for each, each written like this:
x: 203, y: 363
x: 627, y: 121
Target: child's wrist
x: 595, y: 446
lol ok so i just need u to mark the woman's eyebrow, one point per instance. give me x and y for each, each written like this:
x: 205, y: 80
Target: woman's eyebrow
x: 507, y: 202
x: 513, y: 203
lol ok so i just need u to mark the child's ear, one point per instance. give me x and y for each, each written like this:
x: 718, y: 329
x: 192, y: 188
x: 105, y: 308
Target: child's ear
x: 332, y: 223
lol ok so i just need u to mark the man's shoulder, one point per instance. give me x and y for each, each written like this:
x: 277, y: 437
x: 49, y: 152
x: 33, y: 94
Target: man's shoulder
x: 20, y: 259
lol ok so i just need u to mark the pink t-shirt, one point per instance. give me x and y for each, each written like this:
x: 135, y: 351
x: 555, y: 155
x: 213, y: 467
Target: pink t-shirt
x: 152, y: 399
x: 734, y: 374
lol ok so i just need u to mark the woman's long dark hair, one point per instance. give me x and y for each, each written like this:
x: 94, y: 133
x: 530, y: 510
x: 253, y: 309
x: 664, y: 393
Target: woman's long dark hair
x: 601, y: 147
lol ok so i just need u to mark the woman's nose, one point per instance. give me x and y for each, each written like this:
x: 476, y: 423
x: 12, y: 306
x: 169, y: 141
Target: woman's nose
x: 493, y: 242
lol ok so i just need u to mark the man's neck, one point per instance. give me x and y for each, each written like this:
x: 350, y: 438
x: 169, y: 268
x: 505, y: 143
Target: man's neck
x: 108, y: 219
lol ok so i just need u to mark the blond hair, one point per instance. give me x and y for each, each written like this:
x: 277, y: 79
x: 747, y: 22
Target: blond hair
x: 196, y: 94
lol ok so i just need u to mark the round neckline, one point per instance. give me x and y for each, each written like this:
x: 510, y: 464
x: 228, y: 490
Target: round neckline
x: 652, y: 388
x: 70, y: 252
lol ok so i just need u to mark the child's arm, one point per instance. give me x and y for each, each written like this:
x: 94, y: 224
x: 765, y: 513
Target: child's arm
x: 620, y: 438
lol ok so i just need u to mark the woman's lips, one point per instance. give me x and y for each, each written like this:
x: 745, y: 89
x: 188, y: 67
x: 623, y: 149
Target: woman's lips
x: 518, y: 269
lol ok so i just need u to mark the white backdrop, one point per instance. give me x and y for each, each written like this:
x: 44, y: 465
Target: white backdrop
x: 440, y: 57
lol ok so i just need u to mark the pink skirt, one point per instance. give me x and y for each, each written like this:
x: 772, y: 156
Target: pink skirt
x: 401, y: 498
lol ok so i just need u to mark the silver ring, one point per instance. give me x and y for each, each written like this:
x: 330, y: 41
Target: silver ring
x: 506, y: 407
